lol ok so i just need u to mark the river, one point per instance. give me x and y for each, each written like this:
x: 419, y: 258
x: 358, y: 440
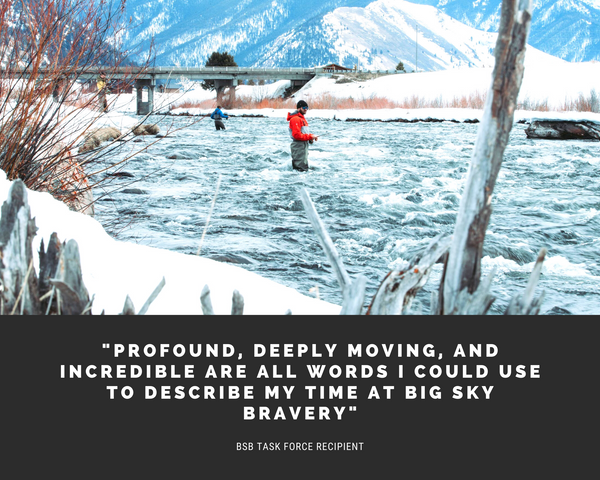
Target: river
x: 383, y: 190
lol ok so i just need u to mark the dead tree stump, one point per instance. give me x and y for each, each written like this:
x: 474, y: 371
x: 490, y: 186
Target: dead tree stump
x: 18, y: 281
x: 60, y: 276
x: 73, y: 297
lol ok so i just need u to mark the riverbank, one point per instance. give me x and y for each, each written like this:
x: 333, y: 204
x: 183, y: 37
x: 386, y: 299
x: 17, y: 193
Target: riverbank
x: 123, y: 112
x: 456, y: 115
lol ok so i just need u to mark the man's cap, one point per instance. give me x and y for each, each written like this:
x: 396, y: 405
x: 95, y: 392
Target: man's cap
x: 301, y: 104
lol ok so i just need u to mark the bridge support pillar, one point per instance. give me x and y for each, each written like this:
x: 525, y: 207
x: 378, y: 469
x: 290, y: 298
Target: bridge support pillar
x: 221, y: 84
x: 225, y: 92
x: 145, y: 96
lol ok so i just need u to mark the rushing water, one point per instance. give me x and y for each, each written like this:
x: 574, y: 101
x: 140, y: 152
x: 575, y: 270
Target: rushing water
x: 383, y: 190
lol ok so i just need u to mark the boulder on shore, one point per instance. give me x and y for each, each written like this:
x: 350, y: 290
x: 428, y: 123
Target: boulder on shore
x: 147, y: 129
x: 94, y: 140
x: 563, y: 130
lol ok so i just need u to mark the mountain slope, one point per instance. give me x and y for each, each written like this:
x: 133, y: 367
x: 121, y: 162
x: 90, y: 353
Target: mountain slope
x: 372, y: 35
x: 380, y: 35
x: 568, y: 29
x: 187, y: 31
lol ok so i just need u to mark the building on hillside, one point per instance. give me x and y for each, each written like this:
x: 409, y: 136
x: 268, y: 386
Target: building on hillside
x: 332, y: 68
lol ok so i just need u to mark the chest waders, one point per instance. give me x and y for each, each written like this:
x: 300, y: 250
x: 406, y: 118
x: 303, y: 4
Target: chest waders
x: 299, y: 155
x: 219, y: 125
x: 299, y: 149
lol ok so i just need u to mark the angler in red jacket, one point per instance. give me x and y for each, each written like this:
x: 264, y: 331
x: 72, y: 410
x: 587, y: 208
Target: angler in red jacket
x: 300, y: 136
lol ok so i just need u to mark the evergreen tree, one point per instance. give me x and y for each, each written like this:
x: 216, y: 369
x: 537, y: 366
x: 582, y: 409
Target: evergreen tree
x: 218, y: 59
x: 400, y: 67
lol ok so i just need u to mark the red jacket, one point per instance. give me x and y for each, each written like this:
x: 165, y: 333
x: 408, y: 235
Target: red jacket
x: 297, y: 124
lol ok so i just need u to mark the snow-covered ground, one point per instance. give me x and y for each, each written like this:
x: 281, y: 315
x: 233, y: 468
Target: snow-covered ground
x: 113, y: 269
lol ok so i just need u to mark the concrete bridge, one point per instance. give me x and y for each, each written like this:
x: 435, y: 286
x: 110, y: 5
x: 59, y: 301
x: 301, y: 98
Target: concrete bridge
x: 223, y: 77
x: 145, y: 78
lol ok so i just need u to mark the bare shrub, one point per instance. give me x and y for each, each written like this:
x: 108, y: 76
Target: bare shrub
x: 46, y: 50
x: 475, y: 100
x: 583, y: 103
x: 345, y: 79
x: 413, y: 102
x: 193, y: 104
x: 594, y: 101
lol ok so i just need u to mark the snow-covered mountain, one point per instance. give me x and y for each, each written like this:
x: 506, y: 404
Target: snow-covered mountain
x: 373, y: 35
x: 380, y: 35
x: 568, y: 29
x: 186, y: 32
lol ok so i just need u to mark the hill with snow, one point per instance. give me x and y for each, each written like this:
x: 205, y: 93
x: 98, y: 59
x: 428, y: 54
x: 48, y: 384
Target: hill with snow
x: 568, y: 29
x: 374, y: 35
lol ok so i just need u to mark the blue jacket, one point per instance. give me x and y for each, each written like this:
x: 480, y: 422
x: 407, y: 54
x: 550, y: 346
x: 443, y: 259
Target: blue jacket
x: 217, y: 114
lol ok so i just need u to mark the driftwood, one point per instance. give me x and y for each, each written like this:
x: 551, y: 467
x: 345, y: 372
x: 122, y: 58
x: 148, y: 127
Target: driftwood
x: 563, y: 130
x: 152, y: 297
x: 129, y: 309
x: 526, y: 304
x: 59, y: 288
x: 399, y: 288
x: 60, y: 272
x: 355, y: 298
x: 205, y: 301
x: 353, y: 292
x: 463, y: 269
x: 72, y: 295
x: 48, y: 263
x: 237, y: 303
x: 479, y: 302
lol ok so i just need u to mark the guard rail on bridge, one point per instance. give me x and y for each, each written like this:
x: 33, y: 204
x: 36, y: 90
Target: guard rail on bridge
x: 208, y: 73
x: 192, y: 73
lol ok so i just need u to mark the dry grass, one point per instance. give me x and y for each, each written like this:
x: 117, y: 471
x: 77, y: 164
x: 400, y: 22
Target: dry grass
x: 591, y: 103
x: 327, y: 101
x: 190, y: 104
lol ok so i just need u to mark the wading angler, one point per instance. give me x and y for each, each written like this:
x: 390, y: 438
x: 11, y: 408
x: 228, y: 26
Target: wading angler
x: 301, y: 138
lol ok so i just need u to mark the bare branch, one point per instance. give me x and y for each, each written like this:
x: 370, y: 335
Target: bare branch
x: 355, y: 297
x: 152, y: 297
x: 326, y: 243
x: 526, y: 304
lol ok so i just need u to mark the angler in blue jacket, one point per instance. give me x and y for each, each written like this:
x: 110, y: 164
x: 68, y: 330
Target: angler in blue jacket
x: 217, y: 115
